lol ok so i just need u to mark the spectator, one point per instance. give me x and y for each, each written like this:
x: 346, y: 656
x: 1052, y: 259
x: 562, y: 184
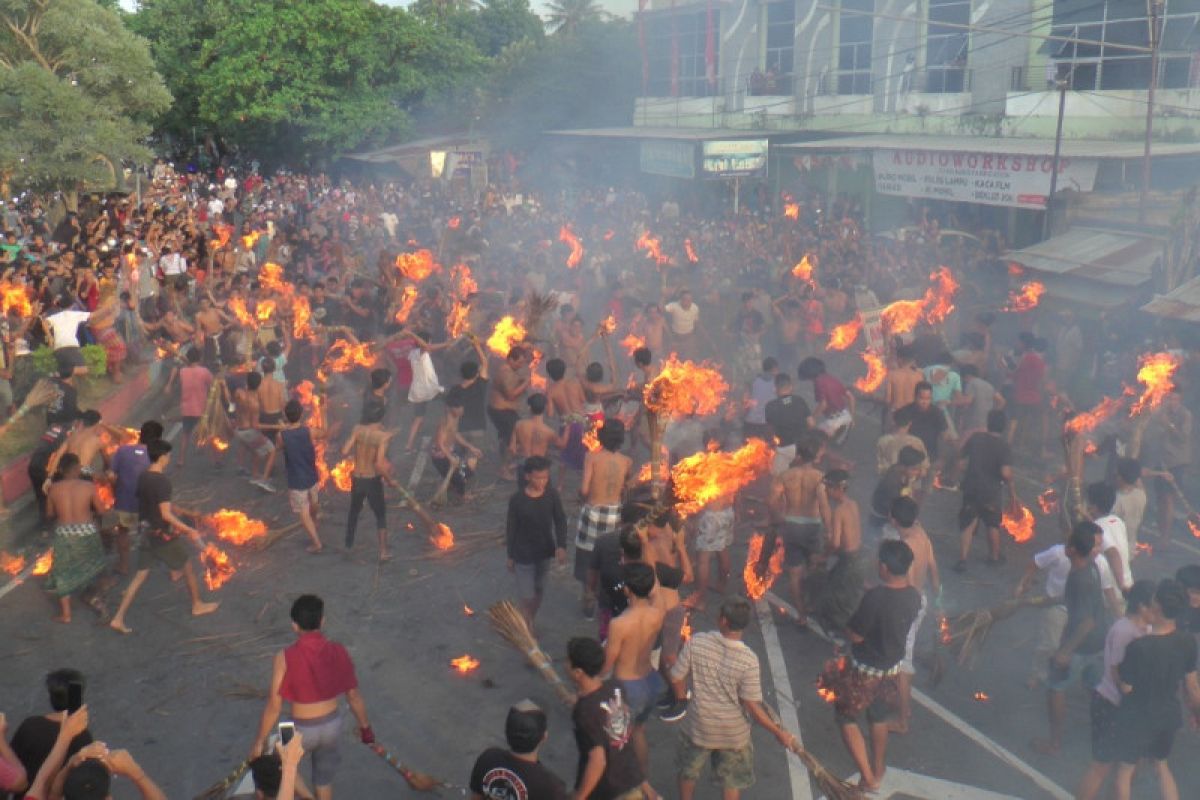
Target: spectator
x: 608, y: 767
x: 35, y: 736
x: 517, y: 772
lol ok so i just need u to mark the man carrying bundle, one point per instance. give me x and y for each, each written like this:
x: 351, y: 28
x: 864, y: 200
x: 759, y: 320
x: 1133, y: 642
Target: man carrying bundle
x: 605, y: 473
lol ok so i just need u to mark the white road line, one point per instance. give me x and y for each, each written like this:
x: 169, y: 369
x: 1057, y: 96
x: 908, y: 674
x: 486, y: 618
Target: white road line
x: 419, y: 463
x: 988, y: 744
x: 17, y: 580
x: 173, y: 431
x: 797, y: 774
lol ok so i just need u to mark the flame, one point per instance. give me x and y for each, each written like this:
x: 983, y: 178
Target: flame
x: 685, y: 630
x: 301, y: 318
x: 1019, y: 526
x: 645, y: 475
x: 270, y: 277
x: 463, y: 282
x: 844, y: 335
x: 218, y: 566
x: 791, y: 210
x: 705, y: 477
x: 507, y: 334
x: 685, y: 387
x: 608, y: 325
x: 537, y: 381
x: 238, y: 306
x: 105, y: 493
x: 632, y: 343
x: 15, y: 296
x: 453, y: 223
x: 1088, y: 421
x: 11, y: 564
x: 690, y: 251
x: 827, y: 694
x: 591, y: 440
x: 902, y: 316
x: 1145, y: 548
x: 44, y: 563
x: 935, y: 307
x: 459, y: 320
x: 251, y: 239
x: 265, y: 310
x: 1027, y: 297
x: 804, y: 270
x: 756, y: 584
x: 1194, y: 527
x: 408, y: 299
x: 219, y: 444
x: 565, y: 234
x: 341, y: 474
x: 944, y: 629
x: 416, y: 266
x: 876, y: 371
x: 352, y: 355
x: 1090, y: 449
x: 444, y: 540
x: 235, y: 527
x: 465, y: 664
x: 981, y: 697
x: 1048, y: 500
x: 1015, y: 270
x: 653, y: 247
x: 1154, y: 372
x: 224, y: 234
x: 468, y: 611
x: 609, y: 234
x: 312, y: 403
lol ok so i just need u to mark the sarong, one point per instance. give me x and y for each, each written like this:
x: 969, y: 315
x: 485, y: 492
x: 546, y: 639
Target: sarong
x: 593, y: 521
x: 855, y: 687
x: 113, y: 344
x: 78, y: 558
x: 844, y: 588
x: 574, y: 451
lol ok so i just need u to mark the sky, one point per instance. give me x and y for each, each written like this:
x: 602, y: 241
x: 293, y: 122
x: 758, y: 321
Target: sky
x: 622, y: 7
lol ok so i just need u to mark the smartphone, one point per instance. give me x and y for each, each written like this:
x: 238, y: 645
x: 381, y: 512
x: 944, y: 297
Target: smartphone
x: 74, y: 696
x: 286, y: 731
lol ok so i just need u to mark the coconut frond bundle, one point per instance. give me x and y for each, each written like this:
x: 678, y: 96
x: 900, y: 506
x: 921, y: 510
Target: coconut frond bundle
x: 510, y: 623
x: 214, y: 422
x: 439, y: 498
x: 828, y: 784
x: 219, y: 789
x: 42, y: 392
x: 969, y: 631
x: 417, y: 781
x: 538, y: 307
x: 431, y: 525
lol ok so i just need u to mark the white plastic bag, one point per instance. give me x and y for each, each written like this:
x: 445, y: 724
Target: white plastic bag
x: 425, y: 384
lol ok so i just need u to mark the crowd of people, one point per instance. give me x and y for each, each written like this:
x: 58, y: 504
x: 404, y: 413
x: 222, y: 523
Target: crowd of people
x: 307, y: 321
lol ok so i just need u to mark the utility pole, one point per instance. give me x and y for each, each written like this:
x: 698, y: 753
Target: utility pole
x: 1061, y: 82
x: 1153, y: 7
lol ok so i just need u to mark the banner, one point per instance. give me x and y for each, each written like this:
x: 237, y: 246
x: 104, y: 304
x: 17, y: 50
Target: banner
x: 739, y: 158
x: 673, y: 159
x: 994, y: 179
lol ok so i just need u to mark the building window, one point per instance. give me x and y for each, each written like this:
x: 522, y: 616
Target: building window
x: 689, y: 33
x: 854, y: 47
x: 946, y: 47
x: 1100, y: 62
x: 779, y: 47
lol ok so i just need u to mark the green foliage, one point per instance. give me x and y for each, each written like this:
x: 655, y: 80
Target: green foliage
x: 567, y: 17
x: 93, y: 356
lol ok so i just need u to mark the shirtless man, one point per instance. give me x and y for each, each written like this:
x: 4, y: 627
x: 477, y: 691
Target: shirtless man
x: 510, y: 383
x: 798, y: 496
x: 631, y: 637
x: 900, y: 385
x: 653, y: 328
x: 74, y: 505
x: 368, y: 443
x: 532, y: 436
x: 605, y: 474
x: 566, y: 399
x: 664, y: 547
x: 845, y: 583
x: 632, y: 412
x: 210, y: 324
x: 272, y: 396
x: 246, y: 416
x: 923, y: 572
x: 86, y: 441
x: 449, y: 446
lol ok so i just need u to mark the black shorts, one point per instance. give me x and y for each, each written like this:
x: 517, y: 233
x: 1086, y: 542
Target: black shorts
x: 189, y: 424
x: 273, y: 418
x: 986, y: 510
x: 419, y: 409
x: 801, y: 541
x: 504, y: 420
x: 1153, y: 742
x: 1106, y: 747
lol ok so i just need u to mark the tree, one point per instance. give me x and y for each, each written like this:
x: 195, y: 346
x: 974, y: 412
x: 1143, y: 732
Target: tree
x: 566, y: 17
x: 77, y: 94
x: 491, y: 25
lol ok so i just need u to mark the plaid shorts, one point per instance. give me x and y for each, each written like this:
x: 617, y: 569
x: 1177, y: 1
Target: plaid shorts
x: 733, y: 769
x: 593, y: 521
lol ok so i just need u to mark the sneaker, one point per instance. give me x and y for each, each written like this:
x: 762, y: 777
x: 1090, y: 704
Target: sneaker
x: 960, y: 565
x: 666, y: 701
x: 676, y: 712
x: 266, y: 487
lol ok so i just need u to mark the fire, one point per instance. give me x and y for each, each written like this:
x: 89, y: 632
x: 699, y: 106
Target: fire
x: 1154, y: 372
x: 685, y: 630
x: 804, y: 270
x: 462, y: 282
x: 15, y: 296
x: 981, y: 697
x: 609, y: 234
x: 876, y: 371
x: 453, y: 223
x: 756, y: 584
x: 1027, y: 297
x: 312, y: 404
x: 270, y: 277
x: 465, y: 664
x: 591, y: 440
x: 632, y: 343
x: 251, y: 239
x: 537, y: 381
x: 1088, y: 421
x: 11, y: 564
x: 238, y: 306
x: 408, y: 300
x: 444, y: 540
x: 218, y: 566
x: 791, y: 210
x: 827, y: 694
x: 459, y: 320
x: 690, y: 251
x: 1194, y: 527
x: 844, y: 335
x: 653, y: 248
x: 939, y: 297
x: 507, y: 334
x: 565, y: 234
x: 235, y: 527
x: 302, y: 318
x: 341, y: 474
x: 1015, y: 270
x: 944, y: 629
x: 44, y: 563
x: 1049, y: 501
x: 902, y: 316
x: 416, y: 266
x: 219, y: 444
x: 706, y: 477
x: 224, y: 234
x: 468, y: 611
x: 1019, y: 526
x: 1145, y: 549
x: 105, y: 494
x: 352, y: 355
x: 608, y: 325
x: 685, y: 387
x: 265, y: 310
x: 645, y: 475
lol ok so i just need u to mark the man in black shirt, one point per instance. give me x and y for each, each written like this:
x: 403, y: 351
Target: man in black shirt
x: 160, y: 530
x: 63, y: 407
x: 987, y: 475
x: 50, y: 443
x: 900, y: 480
x: 517, y: 773
x: 878, y: 632
x: 35, y: 736
x: 928, y: 421
x: 608, y: 767
x: 536, y: 532
x: 473, y: 389
x: 1081, y: 648
x: 788, y: 418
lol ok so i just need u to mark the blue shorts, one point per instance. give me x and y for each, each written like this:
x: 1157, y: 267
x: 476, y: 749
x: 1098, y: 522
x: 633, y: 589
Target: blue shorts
x: 1085, y: 670
x: 642, y: 694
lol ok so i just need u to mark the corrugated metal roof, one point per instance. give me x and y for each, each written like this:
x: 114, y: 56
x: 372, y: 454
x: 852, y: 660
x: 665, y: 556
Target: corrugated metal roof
x: 678, y: 134
x: 1074, y: 148
x: 1182, y: 302
x: 1117, y: 259
x: 417, y: 147
x: 1072, y: 291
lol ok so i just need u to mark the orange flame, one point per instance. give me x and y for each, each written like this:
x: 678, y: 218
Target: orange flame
x: 935, y: 307
x: 591, y: 440
x: 1020, y: 525
x: 902, y: 316
x: 468, y: 611
x: 224, y: 234
x: 301, y: 318
x: 1026, y: 298
x: 251, y: 239
x: 463, y: 282
x: 507, y: 334
x: 645, y: 475
x: 804, y: 270
x: 756, y: 584
x: 690, y: 251
x: 10, y: 564
x: 706, y: 477
x: 104, y: 493
x: 238, y: 306
x: 944, y: 629
x: 219, y: 444
x: 408, y: 300
x: 341, y: 474
x: 685, y: 387
x: 981, y: 697
x: 1015, y: 270
x: 1154, y: 372
x: 270, y: 277
x: 218, y: 566
x: 13, y: 296
x: 844, y: 335
x: 351, y: 356
x: 537, y: 381
x: 459, y: 320
x: 653, y: 247
x: 44, y: 563
x: 1145, y: 548
x: 565, y: 234
x: 1088, y: 421
x: 235, y: 527
x: 444, y: 540
x: 416, y: 266
x: 465, y: 664
x: 685, y: 630
x: 453, y: 223
x: 1048, y: 500
x: 265, y: 310
x: 876, y: 371
x: 608, y: 325
x: 632, y: 343
x: 791, y: 210
x: 1194, y: 527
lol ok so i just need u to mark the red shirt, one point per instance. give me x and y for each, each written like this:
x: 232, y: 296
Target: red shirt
x: 830, y: 391
x: 194, y: 383
x: 1028, y: 379
x: 317, y: 669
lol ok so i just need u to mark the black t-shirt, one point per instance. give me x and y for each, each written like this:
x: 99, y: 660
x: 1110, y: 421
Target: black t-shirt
x: 928, y: 426
x: 606, y: 560
x: 498, y: 775
x: 987, y: 455
x: 474, y: 399
x: 890, y: 486
x: 153, y: 488
x: 34, y: 740
x: 536, y: 526
x: 1085, y: 601
x: 603, y: 719
x: 788, y: 418
x: 883, y: 618
x: 1155, y: 666
x: 63, y: 408
x: 50, y: 441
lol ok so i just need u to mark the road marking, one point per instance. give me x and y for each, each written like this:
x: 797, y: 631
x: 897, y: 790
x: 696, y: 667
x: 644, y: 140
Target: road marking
x: 419, y: 463
x: 18, y: 579
x: 173, y: 431
x: 912, y: 784
x: 788, y: 719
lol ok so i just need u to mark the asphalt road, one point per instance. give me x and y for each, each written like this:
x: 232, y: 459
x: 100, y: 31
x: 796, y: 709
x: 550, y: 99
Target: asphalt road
x: 185, y: 694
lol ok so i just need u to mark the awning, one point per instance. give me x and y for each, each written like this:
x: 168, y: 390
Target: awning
x: 1071, y: 148
x: 1181, y: 303
x: 1092, y: 266
x: 639, y: 132
x: 419, y: 147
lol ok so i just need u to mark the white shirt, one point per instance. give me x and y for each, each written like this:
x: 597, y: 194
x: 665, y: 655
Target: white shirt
x: 1055, y: 562
x: 1113, y: 536
x: 65, y: 326
x: 216, y: 207
x: 683, y: 320
x: 173, y: 264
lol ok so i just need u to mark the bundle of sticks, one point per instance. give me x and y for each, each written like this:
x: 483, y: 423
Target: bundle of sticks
x: 219, y: 789
x: 214, y: 422
x: 970, y: 630
x: 427, y: 520
x: 829, y: 785
x: 417, y: 781
x: 510, y: 624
